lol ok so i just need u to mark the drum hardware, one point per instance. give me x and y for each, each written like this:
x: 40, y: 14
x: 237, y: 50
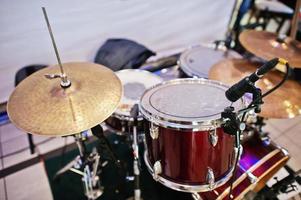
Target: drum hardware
x: 210, y: 178
x: 157, y: 170
x: 257, y: 126
x: 229, y: 33
x: 136, y: 165
x: 65, y: 83
x: 295, y: 20
x: 154, y: 131
x: 250, y: 175
x: 86, y: 165
x: 213, y: 137
x: 196, y: 196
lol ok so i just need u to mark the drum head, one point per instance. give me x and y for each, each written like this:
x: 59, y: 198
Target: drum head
x: 186, y: 103
x: 134, y: 82
x: 197, y: 61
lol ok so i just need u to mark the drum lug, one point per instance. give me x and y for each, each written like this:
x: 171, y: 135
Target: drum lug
x: 154, y: 131
x: 213, y: 137
x: 251, y: 177
x: 284, y: 151
x: 157, y: 170
x: 265, y: 138
x: 210, y: 178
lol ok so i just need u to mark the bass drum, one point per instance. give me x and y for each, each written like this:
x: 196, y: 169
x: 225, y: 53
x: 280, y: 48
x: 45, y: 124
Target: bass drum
x: 134, y: 82
x: 186, y: 147
x: 259, y: 162
x: 197, y: 61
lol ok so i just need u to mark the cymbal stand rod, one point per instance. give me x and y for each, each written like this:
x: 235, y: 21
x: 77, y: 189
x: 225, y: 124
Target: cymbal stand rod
x: 137, y: 191
x: 77, y: 171
x: 294, y: 26
x: 136, y: 168
x: 229, y: 28
x: 80, y: 144
x: 231, y: 15
x: 64, y: 80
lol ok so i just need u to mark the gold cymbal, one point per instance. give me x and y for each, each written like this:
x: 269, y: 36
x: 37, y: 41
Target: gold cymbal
x: 266, y: 45
x: 41, y: 106
x: 285, y: 102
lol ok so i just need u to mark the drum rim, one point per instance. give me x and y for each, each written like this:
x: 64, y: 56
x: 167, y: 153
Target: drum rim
x: 200, y: 125
x: 120, y: 115
x: 184, y: 67
x: 137, y: 70
x: 186, y: 187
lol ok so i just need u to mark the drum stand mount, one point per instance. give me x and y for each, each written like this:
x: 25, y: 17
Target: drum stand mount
x: 86, y: 165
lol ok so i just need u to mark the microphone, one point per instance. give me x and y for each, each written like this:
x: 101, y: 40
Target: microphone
x: 245, y: 85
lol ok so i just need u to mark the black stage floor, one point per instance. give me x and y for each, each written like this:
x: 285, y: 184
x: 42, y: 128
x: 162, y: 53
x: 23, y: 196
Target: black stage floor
x: 116, y: 187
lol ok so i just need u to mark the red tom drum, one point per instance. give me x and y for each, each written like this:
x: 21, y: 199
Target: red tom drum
x: 186, y: 147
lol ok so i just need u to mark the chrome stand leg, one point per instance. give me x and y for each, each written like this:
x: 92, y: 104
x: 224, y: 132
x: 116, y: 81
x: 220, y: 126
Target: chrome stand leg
x: 90, y: 164
x: 196, y: 196
x: 136, y: 170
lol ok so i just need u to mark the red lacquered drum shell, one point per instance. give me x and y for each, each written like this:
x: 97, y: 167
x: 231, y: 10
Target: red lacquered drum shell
x: 186, y: 155
x: 186, y: 147
x: 261, y: 159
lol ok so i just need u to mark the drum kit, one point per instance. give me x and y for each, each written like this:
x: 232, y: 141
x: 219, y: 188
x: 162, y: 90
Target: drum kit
x: 190, y: 130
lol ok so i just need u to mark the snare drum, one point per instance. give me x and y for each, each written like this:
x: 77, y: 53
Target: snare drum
x: 186, y: 147
x: 258, y: 163
x: 134, y: 82
x: 197, y: 61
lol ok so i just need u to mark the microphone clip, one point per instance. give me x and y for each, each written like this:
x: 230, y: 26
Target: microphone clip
x: 232, y: 123
x: 256, y: 95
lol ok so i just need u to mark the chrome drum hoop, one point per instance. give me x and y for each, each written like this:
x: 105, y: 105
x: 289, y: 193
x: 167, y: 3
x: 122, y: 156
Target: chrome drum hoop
x: 186, y: 187
x: 200, y: 125
x: 211, y: 47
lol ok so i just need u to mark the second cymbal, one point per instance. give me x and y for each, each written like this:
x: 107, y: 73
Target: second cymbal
x: 285, y: 102
x: 268, y: 45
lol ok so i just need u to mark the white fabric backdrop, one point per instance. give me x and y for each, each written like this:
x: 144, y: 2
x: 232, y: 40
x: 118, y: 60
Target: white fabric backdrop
x: 80, y: 27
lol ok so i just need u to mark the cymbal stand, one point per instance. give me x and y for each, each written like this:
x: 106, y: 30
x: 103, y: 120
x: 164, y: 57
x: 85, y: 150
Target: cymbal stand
x: 136, y: 166
x: 229, y: 33
x: 65, y: 82
x: 258, y: 125
x: 90, y: 165
x: 87, y: 166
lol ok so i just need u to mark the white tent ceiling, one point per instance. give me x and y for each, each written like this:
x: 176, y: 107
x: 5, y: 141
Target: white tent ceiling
x: 81, y: 26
